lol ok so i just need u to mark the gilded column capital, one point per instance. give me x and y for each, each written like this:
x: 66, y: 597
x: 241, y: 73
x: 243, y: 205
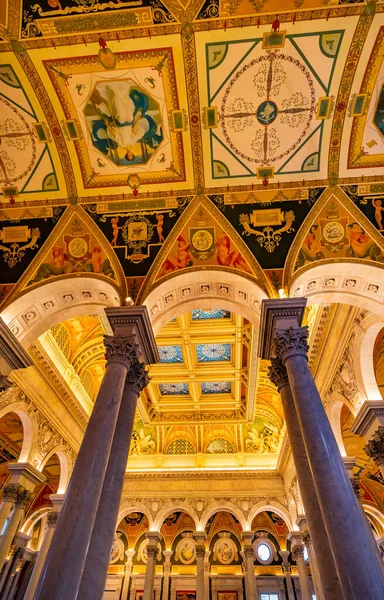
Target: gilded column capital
x: 23, y: 497
x: 277, y: 373
x: 52, y: 518
x: 10, y: 492
x: 121, y: 350
x: 151, y: 551
x: 375, y: 447
x: 291, y: 342
x: 298, y: 552
x: 137, y: 377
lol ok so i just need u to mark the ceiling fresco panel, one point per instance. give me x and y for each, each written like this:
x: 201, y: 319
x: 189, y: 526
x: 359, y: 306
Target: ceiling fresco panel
x: 24, y: 132
x: 48, y: 18
x: 125, y: 120
x: 268, y: 101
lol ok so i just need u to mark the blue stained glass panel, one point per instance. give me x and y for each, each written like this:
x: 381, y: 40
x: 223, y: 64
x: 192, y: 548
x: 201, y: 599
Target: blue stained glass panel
x: 172, y: 389
x: 216, y: 387
x: 215, y: 313
x: 213, y: 352
x: 170, y: 354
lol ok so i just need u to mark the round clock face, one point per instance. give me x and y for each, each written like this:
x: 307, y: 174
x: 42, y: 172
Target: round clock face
x: 77, y: 247
x: 333, y: 232
x: 202, y: 240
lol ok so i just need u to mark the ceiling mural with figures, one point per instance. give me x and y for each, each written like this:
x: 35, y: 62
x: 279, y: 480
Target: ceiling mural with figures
x: 150, y: 140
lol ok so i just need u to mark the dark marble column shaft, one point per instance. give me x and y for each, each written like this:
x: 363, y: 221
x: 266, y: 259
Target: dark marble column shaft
x: 357, y: 559
x: 62, y: 571
x: 329, y: 580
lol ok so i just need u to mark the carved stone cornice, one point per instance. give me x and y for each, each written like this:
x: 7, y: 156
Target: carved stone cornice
x: 135, y: 321
x: 137, y: 377
x: 277, y: 373
x: 291, y: 342
x: 11, y: 351
x: 375, y: 447
x: 57, y: 384
x: 121, y: 350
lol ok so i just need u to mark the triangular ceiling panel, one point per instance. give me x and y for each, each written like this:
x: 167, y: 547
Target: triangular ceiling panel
x: 75, y: 247
x: 335, y: 230
x: 204, y: 238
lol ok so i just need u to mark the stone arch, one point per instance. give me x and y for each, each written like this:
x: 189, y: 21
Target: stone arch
x: 29, y: 428
x: 273, y: 506
x: 333, y: 411
x: 377, y: 516
x: 64, y: 460
x: 39, y: 309
x: 39, y: 515
x: 185, y: 292
x: 364, y: 352
x: 330, y: 283
x: 167, y: 510
x: 222, y: 506
x: 127, y: 507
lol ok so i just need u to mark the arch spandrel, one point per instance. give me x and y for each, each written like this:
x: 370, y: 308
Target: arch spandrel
x: 335, y: 231
x: 202, y: 230
x: 75, y: 248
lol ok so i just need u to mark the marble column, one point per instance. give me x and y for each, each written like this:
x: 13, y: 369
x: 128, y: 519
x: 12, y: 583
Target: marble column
x: 298, y: 557
x: 9, y: 582
x: 127, y: 573
x: 313, y: 565
x: 250, y: 577
x: 61, y: 574
x: 356, y: 555
x: 29, y: 563
x: 375, y: 449
x: 9, y: 498
x: 96, y: 565
x: 287, y: 573
x: 167, y: 566
x: 200, y: 537
x: 23, y: 497
x: 206, y: 574
x: 152, y: 550
x: 330, y: 585
x: 32, y: 585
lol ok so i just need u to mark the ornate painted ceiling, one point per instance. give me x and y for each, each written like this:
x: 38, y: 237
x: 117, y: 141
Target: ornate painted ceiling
x: 141, y: 140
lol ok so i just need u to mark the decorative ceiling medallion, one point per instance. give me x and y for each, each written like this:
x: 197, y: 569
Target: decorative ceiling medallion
x: 214, y: 313
x: 173, y: 389
x: 257, y: 97
x: 170, y: 354
x: 213, y: 352
x: 216, y: 387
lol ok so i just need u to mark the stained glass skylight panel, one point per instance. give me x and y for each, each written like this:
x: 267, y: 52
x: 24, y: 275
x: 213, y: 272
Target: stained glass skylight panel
x: 170, y: 354
x: 216, y: 387
x: 214, y: 313
x: 173, y: 389
x: 213, y: 352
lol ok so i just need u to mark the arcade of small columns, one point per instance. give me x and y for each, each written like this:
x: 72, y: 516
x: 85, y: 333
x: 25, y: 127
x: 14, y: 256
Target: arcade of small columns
x: 74, y: 556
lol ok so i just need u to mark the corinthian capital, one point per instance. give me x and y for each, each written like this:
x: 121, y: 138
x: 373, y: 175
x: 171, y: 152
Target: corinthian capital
x: 23, y: 497
x: 291, y: 342
x: 277, y: 373
x: 137, y: 377
x: 298, y: 552
x: 10, y: 492
x: 123, y: 350
x: 375, y: 447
